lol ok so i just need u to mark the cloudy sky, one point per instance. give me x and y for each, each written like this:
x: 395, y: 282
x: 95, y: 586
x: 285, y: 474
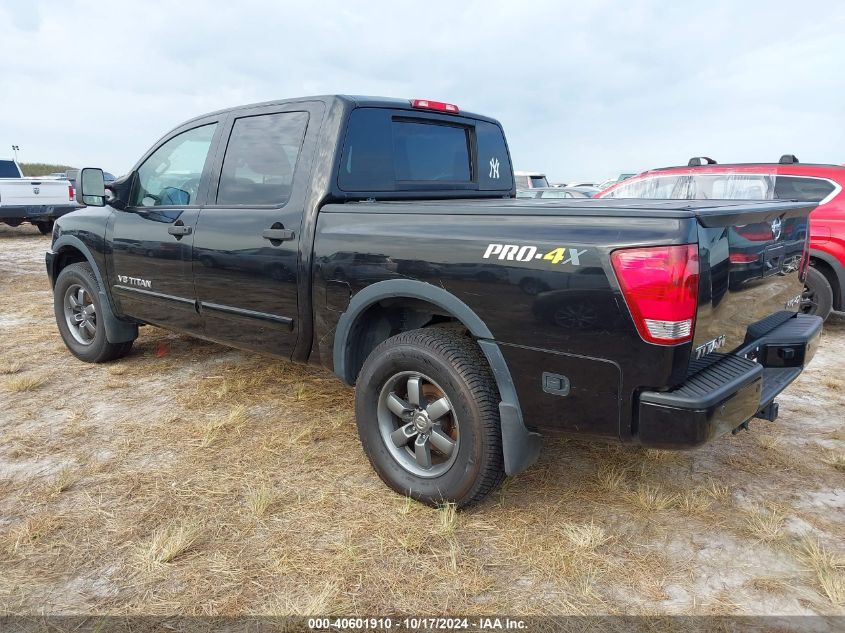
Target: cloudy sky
x: 585, y: 90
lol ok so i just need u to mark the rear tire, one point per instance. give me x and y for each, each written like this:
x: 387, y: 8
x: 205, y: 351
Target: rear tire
x: 435, y: 387
x: 46, y: 228
x: 818, y: 295
x: 76, y: 304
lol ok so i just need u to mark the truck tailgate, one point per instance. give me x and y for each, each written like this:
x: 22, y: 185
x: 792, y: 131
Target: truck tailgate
x: 16, y: 192
x: 752, y: 257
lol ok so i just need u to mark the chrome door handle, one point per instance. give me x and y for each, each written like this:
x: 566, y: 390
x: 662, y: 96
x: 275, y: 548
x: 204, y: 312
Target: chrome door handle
x: 277, y: 235
x: 179, y: 230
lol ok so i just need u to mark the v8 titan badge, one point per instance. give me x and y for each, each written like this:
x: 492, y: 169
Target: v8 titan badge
x: 514, y: 252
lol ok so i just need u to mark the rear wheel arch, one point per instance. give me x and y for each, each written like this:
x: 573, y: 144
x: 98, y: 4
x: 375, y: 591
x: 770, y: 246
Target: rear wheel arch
x: 387, y: 308
x: 833, y: 274
x: 381, y: 311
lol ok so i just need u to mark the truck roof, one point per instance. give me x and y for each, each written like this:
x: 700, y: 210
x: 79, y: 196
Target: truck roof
x: 357, y: 101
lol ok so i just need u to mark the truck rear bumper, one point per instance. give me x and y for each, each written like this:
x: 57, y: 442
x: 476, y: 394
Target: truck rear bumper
x: 35, y: 213
x: 727, y: 390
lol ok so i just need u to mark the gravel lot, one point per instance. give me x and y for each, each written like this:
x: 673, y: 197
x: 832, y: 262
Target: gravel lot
x: 189, y: 478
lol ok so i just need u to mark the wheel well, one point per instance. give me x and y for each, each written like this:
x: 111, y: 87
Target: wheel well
x: 65, y: 257
x: 827, y: 270
x: 387, y: 318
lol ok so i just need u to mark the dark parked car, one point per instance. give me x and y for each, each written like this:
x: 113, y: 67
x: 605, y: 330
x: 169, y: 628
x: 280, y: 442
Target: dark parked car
x: 469, y: 322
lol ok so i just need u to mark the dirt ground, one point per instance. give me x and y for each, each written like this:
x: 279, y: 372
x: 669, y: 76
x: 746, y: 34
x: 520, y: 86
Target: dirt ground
x: 189, y: 478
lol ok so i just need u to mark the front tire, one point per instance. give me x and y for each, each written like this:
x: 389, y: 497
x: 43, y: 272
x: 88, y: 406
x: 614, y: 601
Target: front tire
x: 76, y: 304
x: 428, y: 417
x: 818, y: 295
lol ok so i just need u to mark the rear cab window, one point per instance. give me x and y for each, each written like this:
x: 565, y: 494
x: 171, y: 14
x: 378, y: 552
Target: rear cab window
x: 387, y: 150
x: 8, y: 169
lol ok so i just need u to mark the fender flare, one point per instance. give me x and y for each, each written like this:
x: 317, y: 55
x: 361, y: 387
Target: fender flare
x: 117, y: 331
x: 838, y: 269
x: 520, y: 446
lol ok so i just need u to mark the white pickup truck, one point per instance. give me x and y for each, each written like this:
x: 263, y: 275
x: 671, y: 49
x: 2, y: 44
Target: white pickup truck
x: 38, y: 201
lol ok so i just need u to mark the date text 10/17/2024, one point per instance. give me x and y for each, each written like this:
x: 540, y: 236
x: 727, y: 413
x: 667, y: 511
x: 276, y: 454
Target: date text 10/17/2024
x: 416, y: 624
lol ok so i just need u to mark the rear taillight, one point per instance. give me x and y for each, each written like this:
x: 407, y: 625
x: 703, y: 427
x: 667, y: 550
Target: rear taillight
x: 660, y: 285
x: 756, y: 232
x: 439, y: 106
x: 71, y: 194
x: 743, y: 258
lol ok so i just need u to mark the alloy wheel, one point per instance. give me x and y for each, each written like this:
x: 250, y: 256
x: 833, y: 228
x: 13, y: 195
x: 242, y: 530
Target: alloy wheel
x: 418, y: 424
x: 80, y: 314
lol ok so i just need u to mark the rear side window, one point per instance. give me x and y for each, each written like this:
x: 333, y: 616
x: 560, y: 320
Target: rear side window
x: 394, y: 150
x: 695, y: 186
x: 802, y: 189
x: 260, y: 159
x: 662, y: 188
x: 8, y: 169
x: 555, y: 194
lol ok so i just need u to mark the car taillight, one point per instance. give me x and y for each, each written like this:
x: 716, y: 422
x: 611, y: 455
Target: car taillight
x: 660, y: 285
x: 71, y: 194
x: 425, y: 104
x: 756, y: 232
x: 743, y: 258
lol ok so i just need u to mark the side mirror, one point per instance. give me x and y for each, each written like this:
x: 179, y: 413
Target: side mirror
x: 91, y: 187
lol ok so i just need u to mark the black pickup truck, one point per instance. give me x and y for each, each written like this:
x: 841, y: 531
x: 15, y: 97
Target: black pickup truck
x: 380, y: 238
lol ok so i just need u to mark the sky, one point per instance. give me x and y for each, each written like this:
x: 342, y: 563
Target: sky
x: 584, y: 90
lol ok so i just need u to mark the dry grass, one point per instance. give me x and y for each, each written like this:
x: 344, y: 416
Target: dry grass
x: 197, y: 480
x: 611, y: 478
x: 10, y: 367
x: 836, y: 459
x: 448, y: 514
x: 829, y: 568
x: 259, y: 499
x: 834, y: 383
x: 586, y: 537
x: 168, y: 543
x: 765, y: 524
x: 696, y: 501
x: 32, y: 530
x: 234, y: 421
x: 651, y: 498
x: 62, y: 481
x: 770, y: 584
x: 19, y: 384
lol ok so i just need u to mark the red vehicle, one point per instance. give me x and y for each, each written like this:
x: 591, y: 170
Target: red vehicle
x: 703, y: 178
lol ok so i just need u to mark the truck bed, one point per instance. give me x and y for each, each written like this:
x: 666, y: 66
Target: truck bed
x: 707, y: 210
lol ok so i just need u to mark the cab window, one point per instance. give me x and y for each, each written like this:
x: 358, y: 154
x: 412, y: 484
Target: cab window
x: 171, y: 175
x: 260, y: 159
